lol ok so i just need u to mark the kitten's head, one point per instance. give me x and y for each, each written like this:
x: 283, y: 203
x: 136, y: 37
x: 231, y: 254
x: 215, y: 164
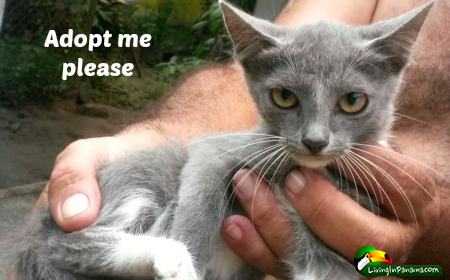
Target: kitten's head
x: 326, y: 85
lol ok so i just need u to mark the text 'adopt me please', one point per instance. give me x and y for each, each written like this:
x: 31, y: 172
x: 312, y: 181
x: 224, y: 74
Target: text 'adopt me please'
x: 93, y: 41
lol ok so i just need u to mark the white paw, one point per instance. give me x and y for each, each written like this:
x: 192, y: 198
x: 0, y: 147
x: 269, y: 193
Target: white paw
x: 305, y: 276
x: 173, y: 262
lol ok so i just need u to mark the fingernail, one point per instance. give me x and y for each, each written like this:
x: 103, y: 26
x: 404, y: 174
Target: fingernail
x: 244, y: 183
x: 234, y: 232
x: 74, y: 205
x: 295, y: 181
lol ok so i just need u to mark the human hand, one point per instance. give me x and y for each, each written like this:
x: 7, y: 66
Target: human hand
x: 329, y: 212
x: 72, y: 193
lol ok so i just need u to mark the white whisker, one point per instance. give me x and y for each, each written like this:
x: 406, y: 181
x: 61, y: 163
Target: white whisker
x: 254, y: 142
x: 259, y: 153
x: 395, y: 184
x: 196, y: 140
x: 404, y: 172
x: 262, y: 176
x: 381, y: 190
x: 359, y: 177
x: 411, y: 118
x: 271, y: 155
x: 407, y: 157
x: 364, y: 170
x: 353, y: 177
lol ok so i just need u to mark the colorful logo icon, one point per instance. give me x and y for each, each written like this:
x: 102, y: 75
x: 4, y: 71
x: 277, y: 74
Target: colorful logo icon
x: 368, y: 254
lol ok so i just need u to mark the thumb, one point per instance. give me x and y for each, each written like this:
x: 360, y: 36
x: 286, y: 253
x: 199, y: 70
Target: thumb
x: 73, y: 192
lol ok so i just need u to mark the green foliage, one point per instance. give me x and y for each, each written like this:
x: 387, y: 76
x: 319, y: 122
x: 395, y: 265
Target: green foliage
x: 176, y: 67
x: 168, y: 38
x: 185, y: 35
x: 29, y: 72
x: 214, y: 41
x: 246, y: 5
x: 129, y: 92
x: 112, y: 15
x: 29, y: 20
x: 183, y: 11
x: 187, y: 11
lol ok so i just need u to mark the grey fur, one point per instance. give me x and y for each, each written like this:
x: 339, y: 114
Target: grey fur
x: 181, y: 196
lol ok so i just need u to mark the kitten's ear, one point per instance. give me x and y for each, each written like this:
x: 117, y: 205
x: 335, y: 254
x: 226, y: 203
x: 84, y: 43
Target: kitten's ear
x: 249, y: 34
x: 394, y: 38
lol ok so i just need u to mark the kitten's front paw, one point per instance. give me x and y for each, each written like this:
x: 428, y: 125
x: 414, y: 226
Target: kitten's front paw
x: 173, y: 262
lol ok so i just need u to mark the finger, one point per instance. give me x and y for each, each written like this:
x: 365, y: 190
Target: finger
x: 400, y: 184
x: 264, y: 210
x: 240, y: 235
x: 339, y: 221
x: 43, y: 199
x: 73, y: 192
x: 11, y: 276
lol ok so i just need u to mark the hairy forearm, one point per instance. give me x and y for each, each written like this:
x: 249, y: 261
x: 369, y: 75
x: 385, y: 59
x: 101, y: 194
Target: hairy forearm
x: 211, y: 99
x: 354, y: 12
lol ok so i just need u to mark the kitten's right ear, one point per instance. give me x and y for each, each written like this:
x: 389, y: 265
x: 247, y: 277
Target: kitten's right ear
x: 249, y: 34
x: 395, y: 37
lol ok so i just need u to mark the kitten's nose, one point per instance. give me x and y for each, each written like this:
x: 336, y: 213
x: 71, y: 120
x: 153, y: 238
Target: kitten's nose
x: 315, y: 145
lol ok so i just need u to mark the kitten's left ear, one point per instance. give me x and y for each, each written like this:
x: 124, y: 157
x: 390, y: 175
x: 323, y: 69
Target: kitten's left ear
x: 250, y: 35
x: 394, y: 38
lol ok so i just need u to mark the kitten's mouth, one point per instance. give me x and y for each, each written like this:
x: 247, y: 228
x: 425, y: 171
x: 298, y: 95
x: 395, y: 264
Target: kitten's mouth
x: 313, y: 161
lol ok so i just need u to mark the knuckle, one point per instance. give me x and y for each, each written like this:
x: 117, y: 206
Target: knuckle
x: 79, y: 145
x: 402, y: 242
x: 256, y: 254
x: 70, y: 150
x: 264, y: 216
x: 397, y: 170
x: 419, y: 188
x: 374, y: 236
x: 75, y: 163
x: 429, y: 212
x: 62, y: 176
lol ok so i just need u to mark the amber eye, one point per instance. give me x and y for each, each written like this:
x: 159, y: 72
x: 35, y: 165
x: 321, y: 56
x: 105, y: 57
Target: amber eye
x: 353, y: 102
x: 284, y: 98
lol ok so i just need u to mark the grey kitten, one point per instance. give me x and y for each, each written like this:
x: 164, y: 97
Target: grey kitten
x: 319, y: 89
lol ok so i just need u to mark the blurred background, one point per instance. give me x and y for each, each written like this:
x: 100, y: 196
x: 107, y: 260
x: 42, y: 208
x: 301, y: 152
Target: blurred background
x: 40, y: 113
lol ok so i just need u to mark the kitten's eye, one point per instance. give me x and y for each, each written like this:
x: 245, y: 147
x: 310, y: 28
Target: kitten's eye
x: 284, y: 98
x: 353, y: 102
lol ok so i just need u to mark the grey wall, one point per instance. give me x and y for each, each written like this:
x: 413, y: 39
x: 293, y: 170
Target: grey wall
x: 268, y: 9
x: 2, y: 9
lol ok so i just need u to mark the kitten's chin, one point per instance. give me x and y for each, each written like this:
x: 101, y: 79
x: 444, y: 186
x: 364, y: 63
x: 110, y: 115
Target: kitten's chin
x: 313, y: 161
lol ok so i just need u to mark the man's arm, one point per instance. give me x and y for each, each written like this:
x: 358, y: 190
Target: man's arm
x: 208, y: 100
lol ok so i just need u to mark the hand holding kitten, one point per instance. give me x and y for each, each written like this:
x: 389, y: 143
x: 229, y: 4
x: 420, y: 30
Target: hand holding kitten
x: 328, y: 212
x: 72, y: 192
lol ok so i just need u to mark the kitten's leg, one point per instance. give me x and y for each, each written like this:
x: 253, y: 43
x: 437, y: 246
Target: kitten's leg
x: 106, y: 252
x: 312, y: 260
x: 226, y: 265
x: 50, y: 254
x: 204, y: 193
x: 139, y: 196
x: 200, y: 212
